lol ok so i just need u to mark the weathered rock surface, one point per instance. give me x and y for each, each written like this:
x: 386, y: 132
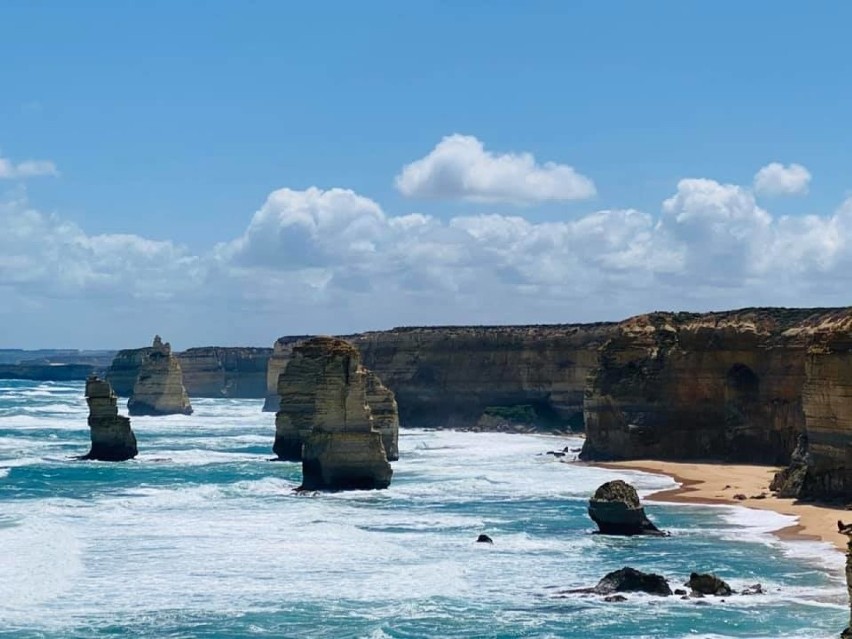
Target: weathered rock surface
x: 112, y: 437
x: 631, y: 580
x: 217, y: 371
x: 723, y: 386
x: 847, y: 530
x: 159, y: 388
x: 282, y: 351
x: 124, y: 370
x: 450, y: 377
x: 615, y: 508
x: 707, y: 584
x: 385, y: 414
x: 324, y: 419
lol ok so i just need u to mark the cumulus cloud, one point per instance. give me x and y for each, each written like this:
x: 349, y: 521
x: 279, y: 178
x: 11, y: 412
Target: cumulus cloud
x: 10, y: 170
x: 459, y: 167
x: 331, y: 260
x: 775, y: 179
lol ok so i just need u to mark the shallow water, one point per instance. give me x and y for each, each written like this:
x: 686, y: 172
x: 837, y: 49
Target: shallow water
x: 201, y: 536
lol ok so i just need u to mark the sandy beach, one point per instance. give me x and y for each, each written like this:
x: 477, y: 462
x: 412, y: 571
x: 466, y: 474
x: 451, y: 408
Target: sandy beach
x: 718, y: 483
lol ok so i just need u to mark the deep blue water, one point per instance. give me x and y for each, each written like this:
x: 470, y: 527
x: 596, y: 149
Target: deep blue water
x: 201, y: 536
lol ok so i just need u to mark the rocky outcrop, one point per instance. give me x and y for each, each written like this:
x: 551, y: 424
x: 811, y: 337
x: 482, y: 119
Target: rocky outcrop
x: 159, y: 388
x: 615, y: 508
x: 112, y: 437
x: 324, y: 419
x: 124, y: 370
x: 631, y: 580
x: 707, y: 584
x: 385, y: 414
x: 723, y: 386
x: 847, y: 530
x: 450, y: 377
x: 216, y: 371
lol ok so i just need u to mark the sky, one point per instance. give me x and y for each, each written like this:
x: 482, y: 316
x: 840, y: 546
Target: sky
x: 229, y: 172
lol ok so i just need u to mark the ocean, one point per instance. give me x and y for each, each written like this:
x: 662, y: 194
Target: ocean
x: 202, y: 536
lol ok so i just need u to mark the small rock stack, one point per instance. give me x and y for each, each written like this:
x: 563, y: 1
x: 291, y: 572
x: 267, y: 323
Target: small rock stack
x: 159, y: 389
x: 112, y: 437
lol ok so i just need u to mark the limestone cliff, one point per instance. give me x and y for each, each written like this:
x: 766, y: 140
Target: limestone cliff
x: 449, y: 377
x: 112, y: 437
x: 724, y: 386
x: 125, y: 368
x: 282, y: 351
x: 324, y: 418
x: 159, y: 388
x: 216, y: 371
x: 822, y: 468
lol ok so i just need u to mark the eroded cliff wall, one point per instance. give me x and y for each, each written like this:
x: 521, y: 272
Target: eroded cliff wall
x: 215, y: 371
x: 716, y: 386
x: 448, y: 377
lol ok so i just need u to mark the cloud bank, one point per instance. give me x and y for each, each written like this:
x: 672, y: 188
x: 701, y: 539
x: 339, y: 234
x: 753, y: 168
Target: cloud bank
x: 332, y: 260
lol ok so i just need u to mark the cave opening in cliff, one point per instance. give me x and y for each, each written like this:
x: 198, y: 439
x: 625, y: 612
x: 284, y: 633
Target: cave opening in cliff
x: 742, y: 385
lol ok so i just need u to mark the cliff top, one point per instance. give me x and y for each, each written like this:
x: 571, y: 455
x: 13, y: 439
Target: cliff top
x: 325, y: 346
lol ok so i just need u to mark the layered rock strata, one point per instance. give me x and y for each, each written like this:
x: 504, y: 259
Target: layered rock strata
x: 324, y: 419
x: 124, y: 370
x: 159, y: 388
x: 450, y: 377
x: 383, y: 407
x: 616, y: 509
x: 821, y: 467
x: 112, y: 437
x: 721, y: 386
x: 215, y: 371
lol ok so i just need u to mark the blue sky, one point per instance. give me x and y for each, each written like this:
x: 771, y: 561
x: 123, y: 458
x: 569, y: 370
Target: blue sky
x: 173, y: 122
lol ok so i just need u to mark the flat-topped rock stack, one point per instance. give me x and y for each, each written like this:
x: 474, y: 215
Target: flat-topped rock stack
x: 159, y: 388
x: 324, y: 419
x: 112, y: 437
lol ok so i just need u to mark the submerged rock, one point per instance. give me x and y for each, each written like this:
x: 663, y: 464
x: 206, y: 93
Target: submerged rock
x: 112, y: 437
x: 615, y: 508
x: 325, y: 421
x: 159, y: 388
x: 631, y: 580
x: 707, y: 584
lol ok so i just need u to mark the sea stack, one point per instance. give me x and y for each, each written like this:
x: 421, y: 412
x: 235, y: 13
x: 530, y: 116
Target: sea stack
x: 383, y: 407
x: 159, y: 389
x: 615, y: 508
x: 324, y: 419
x: 112, y: 437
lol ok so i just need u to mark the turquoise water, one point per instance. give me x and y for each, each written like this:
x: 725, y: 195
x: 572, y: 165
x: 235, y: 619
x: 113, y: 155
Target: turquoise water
x: 200, y: 536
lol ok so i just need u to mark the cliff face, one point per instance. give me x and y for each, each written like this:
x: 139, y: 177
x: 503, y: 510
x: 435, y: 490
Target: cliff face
x: 159, y: 388
x: 724, y: 386
x: 46, y: 372
x: 823, y: 466
x: 324, y: 413
x: 385, y: 412
x: 212, y: 371
x: 112, y: 437
x: 125, y: 368
x: 282, y: 351
x: 225, y: 372
x: 448, y: 377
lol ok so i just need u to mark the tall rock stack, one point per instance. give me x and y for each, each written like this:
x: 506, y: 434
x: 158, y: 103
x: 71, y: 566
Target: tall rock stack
x: 324, y: 419
x: 112, y: 437
x: 385, y: 413
x: 159, y: 388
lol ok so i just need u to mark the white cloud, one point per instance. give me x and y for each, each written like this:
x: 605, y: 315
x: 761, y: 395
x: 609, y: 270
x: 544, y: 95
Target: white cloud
x: 775, y: 179
x: 334, y: 261
x: 459, y: 167
x: 10, y: 170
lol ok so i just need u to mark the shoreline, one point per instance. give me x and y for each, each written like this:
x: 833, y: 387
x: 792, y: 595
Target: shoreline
x: 716, y: 484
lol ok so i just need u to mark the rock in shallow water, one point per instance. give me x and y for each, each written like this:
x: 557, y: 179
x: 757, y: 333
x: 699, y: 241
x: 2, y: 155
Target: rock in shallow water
x: 707, y: 584
x: 112, y: 437
x: 631, y: 580
x: 615, y: 508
